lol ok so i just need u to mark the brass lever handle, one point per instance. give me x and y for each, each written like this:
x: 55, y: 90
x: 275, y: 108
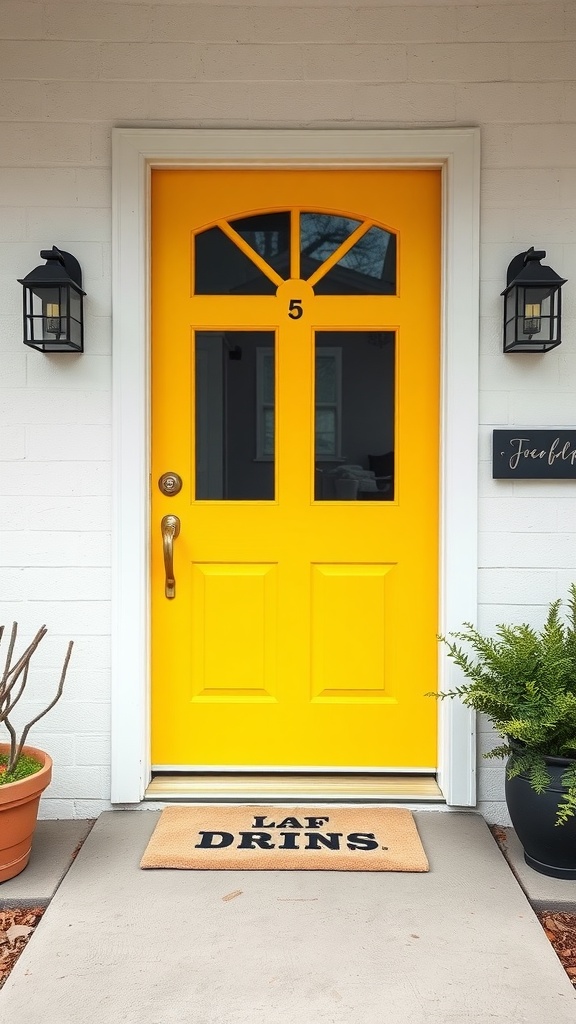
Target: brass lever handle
x: 170, y: 530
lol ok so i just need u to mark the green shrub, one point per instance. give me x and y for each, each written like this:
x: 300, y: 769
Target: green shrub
x: 524, y: 681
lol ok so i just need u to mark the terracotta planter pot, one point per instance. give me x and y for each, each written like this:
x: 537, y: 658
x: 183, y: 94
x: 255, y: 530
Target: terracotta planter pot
x: 18, y: 813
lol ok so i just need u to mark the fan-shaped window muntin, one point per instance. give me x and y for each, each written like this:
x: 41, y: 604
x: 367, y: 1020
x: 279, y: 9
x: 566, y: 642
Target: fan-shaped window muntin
x: 255, y: 253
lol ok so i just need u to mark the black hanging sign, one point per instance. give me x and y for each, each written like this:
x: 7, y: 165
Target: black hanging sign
x: 526, y: 454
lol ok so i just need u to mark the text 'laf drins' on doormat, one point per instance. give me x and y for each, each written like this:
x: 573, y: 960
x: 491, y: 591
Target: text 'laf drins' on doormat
x: 286, y: 839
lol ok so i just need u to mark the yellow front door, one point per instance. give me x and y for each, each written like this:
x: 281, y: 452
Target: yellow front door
x: 295, y: 369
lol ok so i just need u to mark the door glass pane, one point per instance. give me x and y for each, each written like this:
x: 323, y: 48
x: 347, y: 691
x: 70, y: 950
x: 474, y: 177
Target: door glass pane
x: 320, y: 236
x: 326, y: 378
x: 269, y: 235
x: 221, y: 268
x: 326, y: 424
x: 235, y: 410
x: 354, y: 400
x: 368, y: 268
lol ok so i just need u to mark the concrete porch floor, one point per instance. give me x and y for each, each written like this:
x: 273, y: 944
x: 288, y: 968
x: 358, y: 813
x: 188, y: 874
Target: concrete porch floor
x: 459, y: 944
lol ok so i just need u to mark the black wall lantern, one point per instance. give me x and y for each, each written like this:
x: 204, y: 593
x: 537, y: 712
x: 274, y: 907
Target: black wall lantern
x: 53, y: 304
x: 532, y: 304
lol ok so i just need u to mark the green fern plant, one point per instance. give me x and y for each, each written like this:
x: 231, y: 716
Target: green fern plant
x: 524, y: 681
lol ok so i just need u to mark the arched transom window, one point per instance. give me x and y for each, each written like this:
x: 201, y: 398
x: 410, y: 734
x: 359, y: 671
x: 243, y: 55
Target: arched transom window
x: 336, y: 254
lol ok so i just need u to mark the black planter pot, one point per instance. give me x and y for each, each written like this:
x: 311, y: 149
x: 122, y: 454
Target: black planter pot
x: 548, y: 848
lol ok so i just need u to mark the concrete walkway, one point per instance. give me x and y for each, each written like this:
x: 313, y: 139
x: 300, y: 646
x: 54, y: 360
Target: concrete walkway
x: 459, y: 945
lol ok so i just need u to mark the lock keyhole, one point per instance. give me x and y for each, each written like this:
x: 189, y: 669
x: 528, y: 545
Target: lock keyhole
x: 170, y: 484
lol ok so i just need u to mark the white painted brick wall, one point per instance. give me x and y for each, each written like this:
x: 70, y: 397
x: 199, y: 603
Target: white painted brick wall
x: 69, y: 73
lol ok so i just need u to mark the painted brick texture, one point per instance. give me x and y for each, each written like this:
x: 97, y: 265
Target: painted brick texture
x: 70, y: 72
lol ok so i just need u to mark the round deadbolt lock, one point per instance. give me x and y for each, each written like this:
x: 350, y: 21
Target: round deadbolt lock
x: 170, y: 484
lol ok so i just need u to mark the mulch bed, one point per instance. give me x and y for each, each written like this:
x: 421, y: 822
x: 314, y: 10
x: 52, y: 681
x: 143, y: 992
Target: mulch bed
x: 16, y: 927
x: 561, y: 930
x: 559, y: 927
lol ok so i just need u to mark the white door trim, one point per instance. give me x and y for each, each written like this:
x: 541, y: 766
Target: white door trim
x: 135, y: 152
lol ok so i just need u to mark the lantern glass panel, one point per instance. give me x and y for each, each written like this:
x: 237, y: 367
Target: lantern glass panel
x: 55, y: 314
x: 510, y: 314
x: 75, y: 305
x: 537, y: 321
x: 53, y: 318
x: 75, y: 319
x: 531, y: 319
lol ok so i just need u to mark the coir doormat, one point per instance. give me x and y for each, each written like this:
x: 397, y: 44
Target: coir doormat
x: 286, y: 839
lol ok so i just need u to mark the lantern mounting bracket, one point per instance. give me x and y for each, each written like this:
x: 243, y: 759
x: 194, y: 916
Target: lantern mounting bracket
x: 67, y: 260
x: 520, y: 261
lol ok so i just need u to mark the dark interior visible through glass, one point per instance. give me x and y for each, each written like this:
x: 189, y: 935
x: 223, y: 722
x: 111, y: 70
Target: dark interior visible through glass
x: 269, y: 236
x: 320, y: 235
x: 354, y: 403
x: 235, y: 408
x: 221, y: 268
x: 368, y: 268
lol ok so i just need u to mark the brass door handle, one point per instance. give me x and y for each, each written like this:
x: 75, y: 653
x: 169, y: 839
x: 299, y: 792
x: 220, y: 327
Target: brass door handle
x: 170, y: 530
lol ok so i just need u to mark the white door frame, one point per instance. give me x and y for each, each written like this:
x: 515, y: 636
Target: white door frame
x: 135, y: 152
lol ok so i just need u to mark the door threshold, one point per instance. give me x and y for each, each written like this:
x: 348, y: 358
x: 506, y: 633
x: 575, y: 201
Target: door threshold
x: 229, y: 787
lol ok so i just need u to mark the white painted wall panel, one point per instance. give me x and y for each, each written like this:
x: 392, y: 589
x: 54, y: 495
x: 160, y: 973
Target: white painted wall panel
x: 69, y: 73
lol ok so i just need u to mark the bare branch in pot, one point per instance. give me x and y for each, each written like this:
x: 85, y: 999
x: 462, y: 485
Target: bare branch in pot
x: 13, y: 683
